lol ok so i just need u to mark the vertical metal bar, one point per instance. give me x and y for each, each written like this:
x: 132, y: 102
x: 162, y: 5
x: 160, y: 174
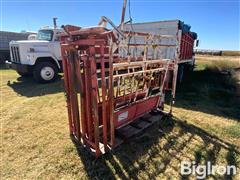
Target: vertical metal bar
x: 82, y: 97
x: 162, y: 85
x: 83, y: 114
x: 136, y: 89
x: 174, y: 83
x: 131, y: 88
x: 123, y: 13
x: 118, y: 92
x: 148, y: 84
x: 94, y: 88
x: 70, y: 92
x: 73, y: 94
x: 87, y: 106
x: 124, y: 88
x: 111, y: 96
x: 66, y: 87
x: 104, y: 109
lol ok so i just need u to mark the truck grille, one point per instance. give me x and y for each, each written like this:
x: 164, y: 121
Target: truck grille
x: 15, y: 54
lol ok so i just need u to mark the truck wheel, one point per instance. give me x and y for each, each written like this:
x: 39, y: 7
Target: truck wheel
x: 45, y: 72
x: 24, y: 74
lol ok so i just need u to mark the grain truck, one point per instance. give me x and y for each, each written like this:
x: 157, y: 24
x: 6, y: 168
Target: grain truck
x: 40, y: 57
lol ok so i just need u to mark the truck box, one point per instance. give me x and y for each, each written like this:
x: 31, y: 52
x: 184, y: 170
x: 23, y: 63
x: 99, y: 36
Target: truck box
x: 181, y: 36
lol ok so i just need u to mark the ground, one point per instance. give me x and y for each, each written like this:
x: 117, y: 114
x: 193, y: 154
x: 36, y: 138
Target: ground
x: 205, y: 127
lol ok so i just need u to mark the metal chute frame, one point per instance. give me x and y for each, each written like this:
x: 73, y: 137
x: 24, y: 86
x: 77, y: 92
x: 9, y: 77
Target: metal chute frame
x: 107, y: 89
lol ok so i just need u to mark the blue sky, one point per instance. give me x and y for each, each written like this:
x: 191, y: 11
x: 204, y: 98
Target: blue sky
x: 216, y: 22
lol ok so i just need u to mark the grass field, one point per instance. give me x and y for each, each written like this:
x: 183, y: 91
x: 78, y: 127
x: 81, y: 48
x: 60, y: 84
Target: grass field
x: 205, y: 127
x: 231, y: 53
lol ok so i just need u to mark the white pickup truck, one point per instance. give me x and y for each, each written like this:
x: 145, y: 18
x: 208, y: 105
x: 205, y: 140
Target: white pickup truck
x: 40, y: 57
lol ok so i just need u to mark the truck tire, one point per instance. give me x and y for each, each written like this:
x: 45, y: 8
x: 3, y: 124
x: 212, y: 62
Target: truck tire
x: 45, y: 72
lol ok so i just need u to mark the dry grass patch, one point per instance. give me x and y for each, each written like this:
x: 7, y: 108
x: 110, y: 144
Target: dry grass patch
x: 36, y: 142
x: 231, y: 53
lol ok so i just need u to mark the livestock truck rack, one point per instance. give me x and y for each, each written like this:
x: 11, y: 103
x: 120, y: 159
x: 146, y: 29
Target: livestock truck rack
x: 114, y: 77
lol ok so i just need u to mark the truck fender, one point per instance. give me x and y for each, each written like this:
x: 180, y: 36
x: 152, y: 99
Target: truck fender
x: 57, y: 62
x: 47, y: 58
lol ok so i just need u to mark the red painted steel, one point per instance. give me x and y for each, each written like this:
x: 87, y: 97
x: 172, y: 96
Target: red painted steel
x: 105, y: 89
x: 186, y: 47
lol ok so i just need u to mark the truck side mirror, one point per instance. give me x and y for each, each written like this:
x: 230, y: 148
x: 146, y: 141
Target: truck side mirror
x: 197, y: 42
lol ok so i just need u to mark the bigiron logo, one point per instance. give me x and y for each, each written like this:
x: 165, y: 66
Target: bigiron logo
x: 202, y: 171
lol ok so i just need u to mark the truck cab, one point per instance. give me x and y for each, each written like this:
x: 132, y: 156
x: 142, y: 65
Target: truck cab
x: 40, y: 57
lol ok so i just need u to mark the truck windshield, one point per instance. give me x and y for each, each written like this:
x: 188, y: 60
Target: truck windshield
x: 45, y: 35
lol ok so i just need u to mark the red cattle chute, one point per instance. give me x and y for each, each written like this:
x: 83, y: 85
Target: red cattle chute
x: 110, y: 82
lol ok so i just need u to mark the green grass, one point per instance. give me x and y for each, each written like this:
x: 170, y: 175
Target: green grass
x: 233, y: 130
x: 36, y: 142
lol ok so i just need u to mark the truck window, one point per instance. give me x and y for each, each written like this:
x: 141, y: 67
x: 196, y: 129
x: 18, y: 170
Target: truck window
x: 45, y: 35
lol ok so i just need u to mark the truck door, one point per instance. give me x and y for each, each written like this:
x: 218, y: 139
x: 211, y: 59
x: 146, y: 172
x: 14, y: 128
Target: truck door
x: 55, y: 49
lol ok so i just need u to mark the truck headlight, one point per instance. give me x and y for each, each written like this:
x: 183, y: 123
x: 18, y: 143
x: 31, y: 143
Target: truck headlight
x: 31, y: 50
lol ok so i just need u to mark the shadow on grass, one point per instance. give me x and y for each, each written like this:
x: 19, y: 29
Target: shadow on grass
x: 210, y: 92
x: 206, y: 91
x: 155, y: 154
x: 26, y: 86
